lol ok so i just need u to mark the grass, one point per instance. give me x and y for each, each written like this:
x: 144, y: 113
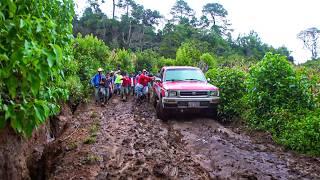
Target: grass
x: 93, y: 115
x: 72, y: 145
x: 91, y: 159
x: 90, y: 140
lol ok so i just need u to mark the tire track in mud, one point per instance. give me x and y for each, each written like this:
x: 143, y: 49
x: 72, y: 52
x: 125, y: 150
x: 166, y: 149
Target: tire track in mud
x: 139, y: 146
x: 131, y: 143
x: 229, y: 155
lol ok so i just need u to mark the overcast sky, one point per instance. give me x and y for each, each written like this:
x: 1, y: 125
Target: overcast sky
x: 277, y: 21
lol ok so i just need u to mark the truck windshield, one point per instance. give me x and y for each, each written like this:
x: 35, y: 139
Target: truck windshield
x: 184, y: 75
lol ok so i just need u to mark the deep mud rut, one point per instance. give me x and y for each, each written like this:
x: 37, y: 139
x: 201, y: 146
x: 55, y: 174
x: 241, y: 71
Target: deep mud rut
x: 125, y: 141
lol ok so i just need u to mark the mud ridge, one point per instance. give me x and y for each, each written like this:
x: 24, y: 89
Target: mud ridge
x: 124, y: 140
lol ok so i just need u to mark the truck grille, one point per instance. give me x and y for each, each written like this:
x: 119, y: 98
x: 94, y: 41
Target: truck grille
x: 193, y: 93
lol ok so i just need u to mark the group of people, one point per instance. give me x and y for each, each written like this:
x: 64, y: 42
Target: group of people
x: 120, y: 83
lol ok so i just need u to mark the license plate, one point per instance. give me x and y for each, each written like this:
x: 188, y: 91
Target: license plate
x: 194, y: 104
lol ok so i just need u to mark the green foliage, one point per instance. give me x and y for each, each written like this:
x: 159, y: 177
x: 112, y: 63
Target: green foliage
x: 187, y: 55
x: 236, y: 60
x: 207, y: 61
x: 165, y: 62
x: 302, y: 133
x: 76, y: 90
x: 90, y: 53
x: 147, y: 60
x: 123, y: 59
x: 313, y: 64
x: 274, y: 84
x: 34, y: 45
x: 232, y: 89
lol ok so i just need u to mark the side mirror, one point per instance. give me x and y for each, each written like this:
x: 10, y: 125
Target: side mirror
x: 157, y: 79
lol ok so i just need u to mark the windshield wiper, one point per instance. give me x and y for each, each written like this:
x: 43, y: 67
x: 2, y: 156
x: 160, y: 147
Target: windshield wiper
x: 173, y: 80
x: 193, y: 79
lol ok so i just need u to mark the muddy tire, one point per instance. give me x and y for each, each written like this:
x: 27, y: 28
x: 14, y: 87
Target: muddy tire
x: 154, y: 101
x: 213, y: 113
x: 161, y: 112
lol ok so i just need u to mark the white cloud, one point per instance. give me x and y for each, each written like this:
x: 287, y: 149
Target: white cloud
x: 277, y: 21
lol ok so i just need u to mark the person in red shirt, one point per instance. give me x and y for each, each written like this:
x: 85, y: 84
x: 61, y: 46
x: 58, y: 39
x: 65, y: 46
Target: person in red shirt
x: 142, y: 85
x: 126, y: 83
x: 133, y: 84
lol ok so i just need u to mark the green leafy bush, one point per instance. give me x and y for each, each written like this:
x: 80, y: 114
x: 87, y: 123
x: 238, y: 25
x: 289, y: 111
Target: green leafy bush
x: 165, y: 62
x: 90, y: 53
x: 274, y: 84
x: 207, y: 61
x: 187, y: 55
x: 123, y: 59
x: 302, y: 133
x: 232, y: 89
x: 34, y: 45
x: 77, y: 92
x: 147, y: 60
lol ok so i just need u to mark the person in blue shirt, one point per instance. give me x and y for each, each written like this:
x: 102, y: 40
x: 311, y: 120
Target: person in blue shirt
x: 108, y: 86
x: 97, y: 82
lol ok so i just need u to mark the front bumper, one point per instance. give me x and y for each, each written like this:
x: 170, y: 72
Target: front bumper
x: 190, y: 103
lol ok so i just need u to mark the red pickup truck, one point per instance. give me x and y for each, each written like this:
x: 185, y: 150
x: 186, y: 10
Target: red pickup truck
x: 183, y: 88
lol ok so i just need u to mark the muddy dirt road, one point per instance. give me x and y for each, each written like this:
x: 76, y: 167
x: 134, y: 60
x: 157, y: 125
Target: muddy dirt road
x: 124, y: 141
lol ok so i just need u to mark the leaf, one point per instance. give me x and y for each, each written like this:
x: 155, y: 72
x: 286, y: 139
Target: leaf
x: 22, y: 23
x: 12, y: 8
x: 3, y: 57
x: 16, y: 123
x: 38, y: 114
x: 12, y: 84
x: 35, y: 86
x: 39, y: 28
x: 51, y: 60
x: 2, y: 16
x: 58, y: 52
x: 46, y: 111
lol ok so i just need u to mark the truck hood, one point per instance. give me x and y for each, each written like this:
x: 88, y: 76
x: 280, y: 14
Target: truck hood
x: 189, y: 85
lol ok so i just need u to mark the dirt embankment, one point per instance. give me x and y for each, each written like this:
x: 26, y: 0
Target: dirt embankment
x: 20, y: 157
x: 125, y: 141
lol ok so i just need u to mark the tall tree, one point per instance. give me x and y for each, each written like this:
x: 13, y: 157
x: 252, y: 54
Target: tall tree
x: 127, y: 20
x: 113, y: 8
x: 311, y: 38
x: 181, y: 11
x: 126, y: 4
x: 218, y: 16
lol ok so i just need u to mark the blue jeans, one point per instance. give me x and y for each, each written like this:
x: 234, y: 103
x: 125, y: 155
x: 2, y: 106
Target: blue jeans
x: 100, y: 92
x: 107, y: 93
x: 141, y: 90
x: 117, y: 88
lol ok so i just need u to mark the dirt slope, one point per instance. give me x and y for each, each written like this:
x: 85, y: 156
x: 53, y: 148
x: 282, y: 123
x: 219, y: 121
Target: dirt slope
x: 125, y: 141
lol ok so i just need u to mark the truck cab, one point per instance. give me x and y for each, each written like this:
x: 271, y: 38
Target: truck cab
x: 183, y: 88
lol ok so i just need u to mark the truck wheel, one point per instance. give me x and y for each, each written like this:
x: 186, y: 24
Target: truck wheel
x: 213, y: 113
x: 154, y: 101
x: 161, y: 112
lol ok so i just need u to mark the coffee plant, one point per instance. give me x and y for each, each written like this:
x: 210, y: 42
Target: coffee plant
x: 274, y: 84
x: 35, y: 39
x: 232, y: 89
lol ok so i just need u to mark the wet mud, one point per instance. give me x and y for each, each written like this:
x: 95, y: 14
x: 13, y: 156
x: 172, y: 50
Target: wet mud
x: 124, y: 140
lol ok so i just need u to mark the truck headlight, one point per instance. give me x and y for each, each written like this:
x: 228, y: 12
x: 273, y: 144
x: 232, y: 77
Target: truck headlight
x: 173, y: 93
x: 214, y: 93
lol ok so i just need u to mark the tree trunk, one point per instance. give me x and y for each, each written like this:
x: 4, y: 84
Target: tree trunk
x: 128, y: 40
x: 213, y: 19
x: 113, y: 8
x: 142, y: 38
x: 127, y: 10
